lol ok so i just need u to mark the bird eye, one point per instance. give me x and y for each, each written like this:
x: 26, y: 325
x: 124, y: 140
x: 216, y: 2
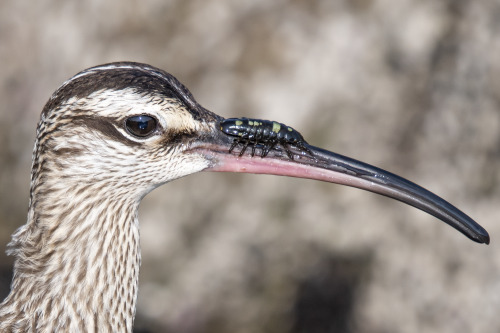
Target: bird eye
x: 141, y: 125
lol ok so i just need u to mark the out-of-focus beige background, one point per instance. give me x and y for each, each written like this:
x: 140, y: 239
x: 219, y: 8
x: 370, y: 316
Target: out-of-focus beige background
x: 410, y: 86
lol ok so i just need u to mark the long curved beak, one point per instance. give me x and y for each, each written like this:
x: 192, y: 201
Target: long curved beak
x: 315, y: 163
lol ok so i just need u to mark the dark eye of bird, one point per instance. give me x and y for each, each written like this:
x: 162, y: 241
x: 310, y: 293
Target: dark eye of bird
x: 141, y: 126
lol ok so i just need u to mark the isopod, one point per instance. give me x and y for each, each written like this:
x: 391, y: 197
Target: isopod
x: 253, y: 132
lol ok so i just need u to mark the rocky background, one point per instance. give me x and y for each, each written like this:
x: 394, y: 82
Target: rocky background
x: 410, y: 86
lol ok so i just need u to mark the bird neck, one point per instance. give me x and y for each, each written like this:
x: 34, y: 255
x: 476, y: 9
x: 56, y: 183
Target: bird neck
x: 77, y: 265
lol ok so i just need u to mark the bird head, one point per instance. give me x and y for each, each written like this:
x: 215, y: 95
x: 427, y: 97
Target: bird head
x: 135, y: 127
x: 128, y: 125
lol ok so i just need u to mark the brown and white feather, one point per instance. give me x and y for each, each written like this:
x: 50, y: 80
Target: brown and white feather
x: 77, y: 258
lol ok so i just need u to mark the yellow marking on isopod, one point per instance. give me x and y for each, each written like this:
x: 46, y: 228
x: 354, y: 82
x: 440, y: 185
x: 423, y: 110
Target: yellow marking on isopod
x: 250, y: 122
x: 238, y: 122
x: 290, y: 129
x: 276, y: 127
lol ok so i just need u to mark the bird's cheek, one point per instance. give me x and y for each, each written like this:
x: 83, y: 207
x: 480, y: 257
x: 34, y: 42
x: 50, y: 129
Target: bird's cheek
x: 179, y: 166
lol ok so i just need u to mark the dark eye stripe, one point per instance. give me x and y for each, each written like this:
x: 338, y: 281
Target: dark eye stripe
x: 141, y: 126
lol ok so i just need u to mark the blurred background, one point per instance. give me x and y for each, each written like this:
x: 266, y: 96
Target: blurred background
x: 410, y: 86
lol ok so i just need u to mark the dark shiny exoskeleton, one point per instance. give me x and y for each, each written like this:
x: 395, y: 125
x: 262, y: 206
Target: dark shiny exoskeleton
x: 265, y: 133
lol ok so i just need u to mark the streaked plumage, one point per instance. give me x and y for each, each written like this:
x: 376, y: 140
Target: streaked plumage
x: 77, y: 258
x: 89, y: 175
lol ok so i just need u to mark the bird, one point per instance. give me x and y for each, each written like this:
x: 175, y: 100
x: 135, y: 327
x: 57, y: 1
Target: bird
x: 107, y: 137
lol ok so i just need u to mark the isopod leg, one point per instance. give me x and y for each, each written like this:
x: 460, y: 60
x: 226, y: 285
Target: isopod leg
x: 267, y: 149
x: 244, y: 148
x: 288, y: 151
x: 235, y: 142
x: 253, y: 149
x: 304, y: 148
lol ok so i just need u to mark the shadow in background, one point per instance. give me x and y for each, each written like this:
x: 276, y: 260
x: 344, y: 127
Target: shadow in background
x: 5, y: 279
x: 326, y: 297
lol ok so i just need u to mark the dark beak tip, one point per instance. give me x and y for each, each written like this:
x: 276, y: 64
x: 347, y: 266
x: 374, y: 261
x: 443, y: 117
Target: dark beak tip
x: 486, y: 239
x: 481, y: 237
